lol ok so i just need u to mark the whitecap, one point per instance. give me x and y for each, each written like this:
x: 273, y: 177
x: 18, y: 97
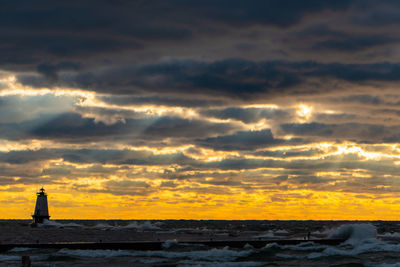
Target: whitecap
x: 214, y: 254
x: 169, y: 243
x: 354, y: 233
x: 220, y: 264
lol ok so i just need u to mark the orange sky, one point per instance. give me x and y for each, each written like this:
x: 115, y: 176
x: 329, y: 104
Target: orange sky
x: 201, y: 109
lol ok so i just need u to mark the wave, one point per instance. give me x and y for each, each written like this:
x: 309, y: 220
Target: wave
x: 219, y: 255
x: 384, y: 265
x: 133, y: 225
x: 355, y: 233
x: 18, y: 249
x: 220, y: 264
x: 18, y: 258
x: 50, y: 223
x: 277, y: 234
x: 392, y: 235
x: 359, y: 239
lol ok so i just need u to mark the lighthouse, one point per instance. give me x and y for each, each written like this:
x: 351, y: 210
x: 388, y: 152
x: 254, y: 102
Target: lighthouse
x: 41, y: 208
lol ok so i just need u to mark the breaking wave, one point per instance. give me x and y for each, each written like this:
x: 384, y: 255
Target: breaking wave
x: 48, y: 223
x: 133, y: 225
x: 18, y: 258
x: 219, y: 264
x: 218, y: 255
x: 359, y: 239
x: 384, y: 265
x: 277, y: 234
x: 355, y: 233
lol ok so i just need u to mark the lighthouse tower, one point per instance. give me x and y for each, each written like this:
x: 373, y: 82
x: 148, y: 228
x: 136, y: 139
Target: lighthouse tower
x: 41, y: 208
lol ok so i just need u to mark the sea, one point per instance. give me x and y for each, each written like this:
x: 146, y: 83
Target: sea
x: 365, y: 243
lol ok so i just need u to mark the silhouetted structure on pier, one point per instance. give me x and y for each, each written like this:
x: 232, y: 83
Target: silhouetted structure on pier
x: 41, y: 209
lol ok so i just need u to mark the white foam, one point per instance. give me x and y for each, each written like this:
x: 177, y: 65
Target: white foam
x: 167, y: 232
x: 390, y: 235
x: 221, y: 234
x: 355, y: 233
x: 133, y: 225
x: 219, y: 255
x: 323, y: 233
x: 277, y: 234
x: 18, y: 258
x: 19, y: 249
x: 9, y: 258
x: 187, y: 231
x: 169, y: 243
x: 267, y: 235
x: 103, y: 226
x: 48, y: 223
x: 360, y: 238
x: 96, y: 253
x: 397, y: 264
x: 369, y: 245
x: 280, y: 232
x: 248, y: 246
x: 152, y: 261
x: 306, y: 246
x: 289, y: 256
x: 143, y: 226
x: 220, y: 264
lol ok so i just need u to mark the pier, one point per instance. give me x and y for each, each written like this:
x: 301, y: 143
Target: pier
x: 158, y: 245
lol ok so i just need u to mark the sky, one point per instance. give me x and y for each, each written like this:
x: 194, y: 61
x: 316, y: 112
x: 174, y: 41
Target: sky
x: 201, y: 109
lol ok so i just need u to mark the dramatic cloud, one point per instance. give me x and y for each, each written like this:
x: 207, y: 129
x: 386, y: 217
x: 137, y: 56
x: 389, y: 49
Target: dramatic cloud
x: 201, y: 109
x: 244, y: 141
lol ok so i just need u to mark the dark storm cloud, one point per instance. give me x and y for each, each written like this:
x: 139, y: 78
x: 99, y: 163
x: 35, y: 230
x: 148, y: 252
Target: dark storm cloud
x: 358, y: 72
x: 359, y: 132
x: 235, y: 78
x: 339, y: 118
x: 143, y: 48
x: 181, y: 128
x: 331, y: 163
x: 50, y: 30
x: 162, y: 100
x: 220, y: 60
x: 53, y: 31
x: 384, y: 14
x: 247, y: 115
x: 289, y: 153
x: 87, y: 156
x: 72, y: 127
x: 324, y: 37
x: 352, y: 44
x: 144, y: 158
x: 132, y: 188
x: 245, y: 140
x: 50, y: 71
x: 275, y: 12
x: 362, y: 99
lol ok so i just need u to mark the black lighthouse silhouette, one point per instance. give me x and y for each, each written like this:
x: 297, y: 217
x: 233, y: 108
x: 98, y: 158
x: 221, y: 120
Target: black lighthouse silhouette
x: 41, y: 209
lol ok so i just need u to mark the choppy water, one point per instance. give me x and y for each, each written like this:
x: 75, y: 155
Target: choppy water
x: 367, y: 243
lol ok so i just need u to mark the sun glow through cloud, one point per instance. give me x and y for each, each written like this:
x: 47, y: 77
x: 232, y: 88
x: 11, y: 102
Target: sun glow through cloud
x: 285, y: 117
x: 304, y: 112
